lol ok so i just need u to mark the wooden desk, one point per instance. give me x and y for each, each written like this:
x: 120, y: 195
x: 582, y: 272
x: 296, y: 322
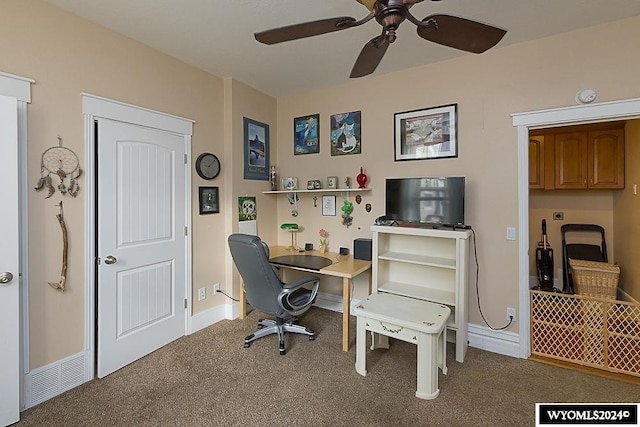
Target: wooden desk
x: 344, y: 266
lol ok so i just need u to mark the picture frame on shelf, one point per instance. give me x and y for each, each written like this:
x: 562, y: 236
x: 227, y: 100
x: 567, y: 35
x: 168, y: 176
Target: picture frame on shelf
x: 208, y: 200
x: 314, y: 184
x: 329, y: 205
x: 332, y: 182
x: 429, y: 133
x: 289, y: 183
x: 256, y: 150
x: 306, y: 134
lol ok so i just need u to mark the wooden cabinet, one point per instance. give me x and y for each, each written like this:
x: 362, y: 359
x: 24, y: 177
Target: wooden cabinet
x: 426, y: 264
x: 577, y: 157
x: 593, y: 159
x: 536, y: 161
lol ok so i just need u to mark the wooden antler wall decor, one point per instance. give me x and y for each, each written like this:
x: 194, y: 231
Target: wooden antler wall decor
x: 65, y: 248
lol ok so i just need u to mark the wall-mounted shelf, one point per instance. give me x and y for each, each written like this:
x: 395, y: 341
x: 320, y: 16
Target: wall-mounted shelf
x: 321, y: 190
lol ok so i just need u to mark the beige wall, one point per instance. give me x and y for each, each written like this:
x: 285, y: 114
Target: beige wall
x: 626, y: 208
x: 67, y: 55
x: 488, y: 88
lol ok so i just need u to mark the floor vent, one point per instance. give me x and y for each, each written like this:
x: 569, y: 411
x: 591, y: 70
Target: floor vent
x: 54, y: 379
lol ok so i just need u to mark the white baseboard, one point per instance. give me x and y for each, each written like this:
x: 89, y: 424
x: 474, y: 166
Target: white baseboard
x: 501, y: 342
x: 232, y: 311
x: 333, y: 302
x: 51, y: 380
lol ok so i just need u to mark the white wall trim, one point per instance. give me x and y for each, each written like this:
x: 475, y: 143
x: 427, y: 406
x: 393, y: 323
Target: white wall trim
x: 16, y: 86
x: 604, y: 111
x: 501, y: 342
x: 116, y: 110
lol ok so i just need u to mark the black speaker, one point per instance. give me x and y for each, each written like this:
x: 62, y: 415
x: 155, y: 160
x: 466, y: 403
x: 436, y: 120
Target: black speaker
x: 362, y: 249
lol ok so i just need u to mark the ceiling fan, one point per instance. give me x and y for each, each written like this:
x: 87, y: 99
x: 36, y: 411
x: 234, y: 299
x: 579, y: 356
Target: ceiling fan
x: 447, y: 30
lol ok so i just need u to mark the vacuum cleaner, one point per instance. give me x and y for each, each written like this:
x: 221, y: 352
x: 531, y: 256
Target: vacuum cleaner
x: 544, y: 262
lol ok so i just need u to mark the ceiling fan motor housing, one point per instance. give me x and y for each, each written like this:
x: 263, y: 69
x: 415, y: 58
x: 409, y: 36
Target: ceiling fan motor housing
x: 390, y: 17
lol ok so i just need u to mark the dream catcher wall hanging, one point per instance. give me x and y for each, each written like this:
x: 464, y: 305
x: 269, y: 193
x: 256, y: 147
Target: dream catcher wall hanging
x: 60, y: 162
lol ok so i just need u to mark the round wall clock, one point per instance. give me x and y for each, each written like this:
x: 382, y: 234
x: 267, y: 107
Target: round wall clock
x: 207, y: 166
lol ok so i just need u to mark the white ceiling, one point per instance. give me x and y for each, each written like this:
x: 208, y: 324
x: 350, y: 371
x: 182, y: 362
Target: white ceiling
x: 217, y: 35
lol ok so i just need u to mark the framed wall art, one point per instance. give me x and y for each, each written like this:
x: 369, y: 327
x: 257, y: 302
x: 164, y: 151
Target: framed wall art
x: 256, y: 150
x: 430, y: 133
x: 306, y: 134
x: 208, y: 200
x: 346, y: 133
x: 329, y: 205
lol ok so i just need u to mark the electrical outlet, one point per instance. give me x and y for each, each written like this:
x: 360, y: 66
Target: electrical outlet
x: 511, y: 314
x: 216, y: 288
x: 202, y: 294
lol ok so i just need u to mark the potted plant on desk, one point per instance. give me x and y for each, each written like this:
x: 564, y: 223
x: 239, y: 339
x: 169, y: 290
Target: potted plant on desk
x: 324, y: 234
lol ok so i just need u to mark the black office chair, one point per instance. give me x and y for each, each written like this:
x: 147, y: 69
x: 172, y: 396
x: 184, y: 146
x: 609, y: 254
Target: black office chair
x: 267, y: 293
x: 582, y: 251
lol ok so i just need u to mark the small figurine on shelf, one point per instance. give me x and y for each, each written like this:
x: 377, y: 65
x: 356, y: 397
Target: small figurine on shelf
x: 347, y: 182
x: 361, y: 178
x: 273, y: 178
x: 324, y: 234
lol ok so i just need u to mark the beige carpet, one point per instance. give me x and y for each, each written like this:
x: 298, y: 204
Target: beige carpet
x: 209, y: 379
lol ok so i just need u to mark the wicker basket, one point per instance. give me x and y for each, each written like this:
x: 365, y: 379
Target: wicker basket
x: 595, y: 279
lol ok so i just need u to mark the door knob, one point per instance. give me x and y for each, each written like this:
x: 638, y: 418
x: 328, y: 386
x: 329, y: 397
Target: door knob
x: 5, y: 277
x: 110, y: 260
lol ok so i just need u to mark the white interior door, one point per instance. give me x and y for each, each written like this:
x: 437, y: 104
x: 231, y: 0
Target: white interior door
x: 9, y: 265
x: 141, y: 242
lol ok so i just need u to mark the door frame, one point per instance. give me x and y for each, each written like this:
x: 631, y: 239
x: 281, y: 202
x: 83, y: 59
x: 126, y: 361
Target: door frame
x: 588, y: 113
x: 93, y: 107
x: 20, y: 88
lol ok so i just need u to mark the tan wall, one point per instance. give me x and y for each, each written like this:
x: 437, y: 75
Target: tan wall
x: 67, y: 55
x: 626, y: 207
x: 244, y: 101
x: 488, y: 88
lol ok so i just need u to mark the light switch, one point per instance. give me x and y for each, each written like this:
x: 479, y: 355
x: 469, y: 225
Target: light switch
x: 511, y: 233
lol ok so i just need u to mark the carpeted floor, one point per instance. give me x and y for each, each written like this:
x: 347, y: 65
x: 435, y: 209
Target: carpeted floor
x: 209, y: 379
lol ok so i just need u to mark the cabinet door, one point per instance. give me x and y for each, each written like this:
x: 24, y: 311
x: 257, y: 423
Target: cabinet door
x: 571, y: 160
x: 606, y: 159
x: 536, y: 161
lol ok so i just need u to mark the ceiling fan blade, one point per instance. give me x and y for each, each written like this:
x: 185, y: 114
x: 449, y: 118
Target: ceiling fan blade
x: 370, y: 57
x: 305, y: 29
x: 460, y: 33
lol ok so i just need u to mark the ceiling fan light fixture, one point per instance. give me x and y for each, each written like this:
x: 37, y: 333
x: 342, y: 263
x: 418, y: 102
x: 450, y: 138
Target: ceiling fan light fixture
x: 369, y: 4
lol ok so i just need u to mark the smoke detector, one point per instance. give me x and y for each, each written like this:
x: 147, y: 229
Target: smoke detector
x: 586, y: 96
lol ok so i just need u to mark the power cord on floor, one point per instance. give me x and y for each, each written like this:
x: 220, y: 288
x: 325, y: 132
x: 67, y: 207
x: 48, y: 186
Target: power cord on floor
x: 475, y: 253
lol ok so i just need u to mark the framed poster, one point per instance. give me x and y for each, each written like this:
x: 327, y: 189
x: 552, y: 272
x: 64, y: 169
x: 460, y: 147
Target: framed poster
x: 329, y: 205
x: 426, y: 134
x: 306, y: 134
x: 346, y: 133
x: 256, y: 150
x: 208, y: 200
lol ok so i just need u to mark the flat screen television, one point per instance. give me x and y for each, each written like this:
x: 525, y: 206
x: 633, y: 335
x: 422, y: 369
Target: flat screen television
x: 428, y: 200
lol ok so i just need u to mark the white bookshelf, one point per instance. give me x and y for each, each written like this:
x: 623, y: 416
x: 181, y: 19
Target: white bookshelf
x: 427, y: 264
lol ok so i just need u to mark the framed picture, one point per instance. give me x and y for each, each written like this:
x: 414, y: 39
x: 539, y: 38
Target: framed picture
x: 345, y: 134
x: 289, y: 183
x: 247, y: 208
x: 314, y: 184
x: 208, y: 200
x: 332, y: 182
x: 256, y: 150
x: 306, y: 134
x: 426, y: 134
x: 329, y: 205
